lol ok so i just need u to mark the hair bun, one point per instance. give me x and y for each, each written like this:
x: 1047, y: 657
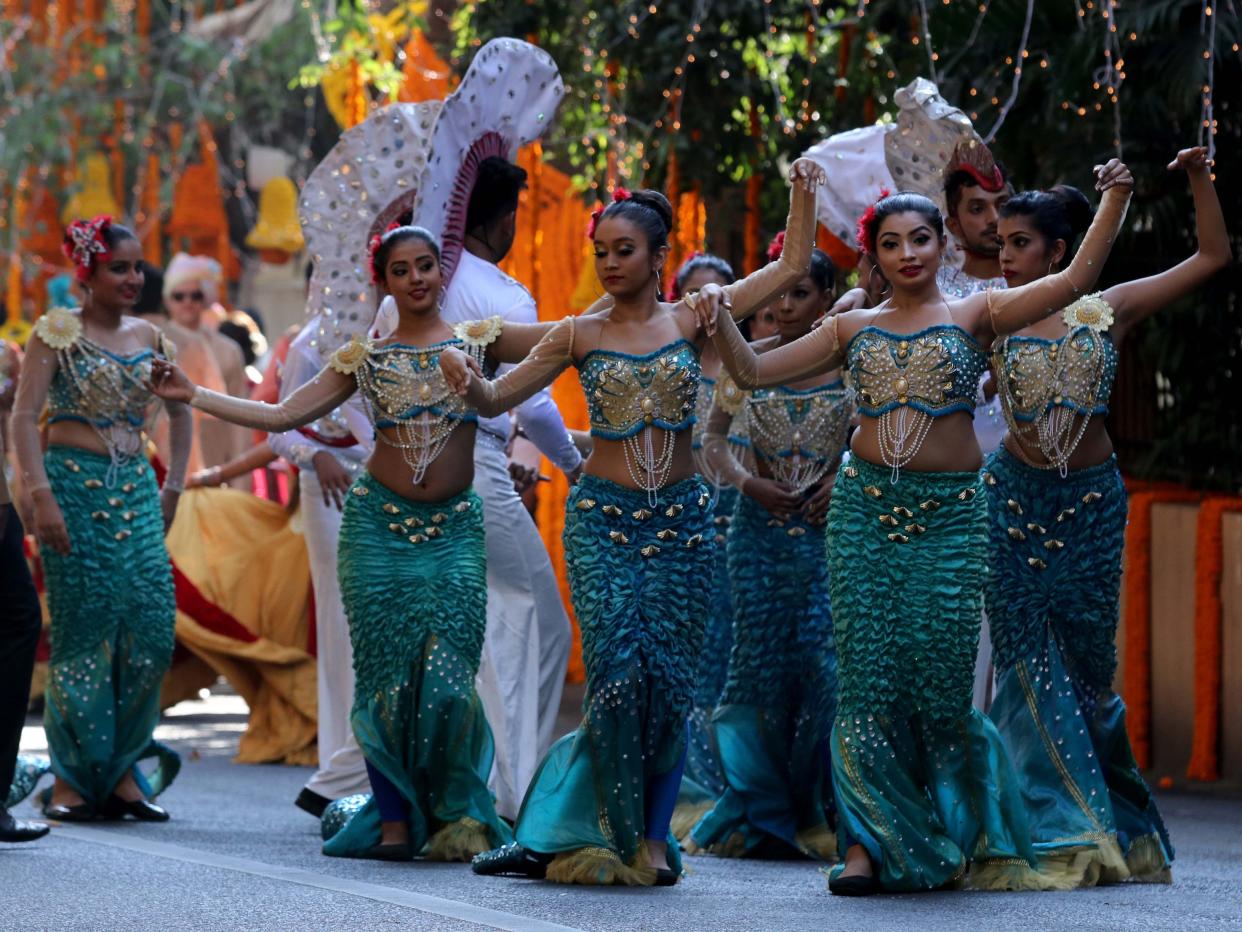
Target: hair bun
x: 657, y: 202
x: 1078, y: 210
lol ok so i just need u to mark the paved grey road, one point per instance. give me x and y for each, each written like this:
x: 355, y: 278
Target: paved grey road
x: 238, y: 855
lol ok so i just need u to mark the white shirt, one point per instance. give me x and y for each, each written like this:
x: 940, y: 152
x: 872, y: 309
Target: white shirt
x: 480, y: 290
x: 301, y: 365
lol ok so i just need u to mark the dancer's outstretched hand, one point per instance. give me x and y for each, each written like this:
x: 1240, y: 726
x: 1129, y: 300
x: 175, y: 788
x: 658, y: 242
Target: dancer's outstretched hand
x: 807, y: 173
x: 1193, y: 159
x: 1114, y: 174
x: 458, y: 369
x: 169, y: 382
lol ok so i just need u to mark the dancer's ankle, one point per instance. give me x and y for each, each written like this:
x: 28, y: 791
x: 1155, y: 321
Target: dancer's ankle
x: 657, y: 853
x: 857, y: 862
x: 394, y: 833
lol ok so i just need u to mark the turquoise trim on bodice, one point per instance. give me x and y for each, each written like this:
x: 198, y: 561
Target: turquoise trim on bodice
x: 91, y: 379
x: 626, y: 393
x: 935, y: 370
x: 400, y: 383
x: 1075, y: 371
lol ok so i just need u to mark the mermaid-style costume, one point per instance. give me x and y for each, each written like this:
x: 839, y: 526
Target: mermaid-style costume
x: 111, y: 597
x: 413, y: 583
x: 772, y: 723
x: 1055, y: 544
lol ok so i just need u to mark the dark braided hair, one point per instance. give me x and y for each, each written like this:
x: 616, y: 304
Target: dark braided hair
x: 648, y: 210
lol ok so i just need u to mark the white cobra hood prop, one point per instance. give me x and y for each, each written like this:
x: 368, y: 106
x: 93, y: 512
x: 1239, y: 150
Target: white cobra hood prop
x: 506, y: 100
x: 366, y: 181
x: 909, y: 155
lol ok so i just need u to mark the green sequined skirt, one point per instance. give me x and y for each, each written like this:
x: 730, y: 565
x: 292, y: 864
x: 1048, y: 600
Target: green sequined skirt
x: 113, y: 613
x: 414, y: 585
x: 776, y: 712
x: 1053, y: 597
x: 922, y: 780
x: 639, y: 578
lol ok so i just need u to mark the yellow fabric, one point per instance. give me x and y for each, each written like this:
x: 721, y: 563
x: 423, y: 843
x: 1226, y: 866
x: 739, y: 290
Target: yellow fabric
x: 247, y: 556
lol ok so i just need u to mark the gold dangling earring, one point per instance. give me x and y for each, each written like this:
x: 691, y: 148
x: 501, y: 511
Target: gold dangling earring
x: 871, y: 281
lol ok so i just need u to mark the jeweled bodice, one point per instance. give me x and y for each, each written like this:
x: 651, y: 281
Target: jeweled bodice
x: 1075, y: 372
x: 806, y: 424
x: 102, y: 388
x: 402, y: 383
x: 935, y: 371
x: 626, y: 393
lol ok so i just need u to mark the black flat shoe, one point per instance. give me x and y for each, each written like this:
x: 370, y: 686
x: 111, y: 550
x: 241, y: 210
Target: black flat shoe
x: 78, y: 813
x: 397, y: 852
x: 15, y: 830
x: 140, y: 809
x: 666, y: 877
x: 855, y: 885
x: 310, y: 801
x: 511, y: 860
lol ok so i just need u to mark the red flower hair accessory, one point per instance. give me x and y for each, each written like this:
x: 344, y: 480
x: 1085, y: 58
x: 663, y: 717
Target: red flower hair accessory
x: 373, y: 246
x: 863, y: 234
x: 618, y: 195
x: 776, y: 247
x: 84, y: 241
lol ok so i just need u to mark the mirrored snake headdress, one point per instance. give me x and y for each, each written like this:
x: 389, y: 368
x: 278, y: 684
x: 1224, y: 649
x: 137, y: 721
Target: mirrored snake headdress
x: 506, y: 100
x: 367, y: 181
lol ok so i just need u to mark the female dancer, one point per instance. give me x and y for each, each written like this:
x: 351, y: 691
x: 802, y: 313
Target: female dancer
x: 638, y: 537
x: 773, y: 720
x: 1057, y: 515
x: 411, y: 565
x: 923, y: 786
x: 703, y: 780
x: 100, y: 522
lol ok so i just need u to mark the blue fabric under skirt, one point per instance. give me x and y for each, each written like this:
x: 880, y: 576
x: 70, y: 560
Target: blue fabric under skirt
x: 113, y: 613
x: 414, y: 585
x: 1053, y: 603
x: 639, y: 577
x: 773, y: 720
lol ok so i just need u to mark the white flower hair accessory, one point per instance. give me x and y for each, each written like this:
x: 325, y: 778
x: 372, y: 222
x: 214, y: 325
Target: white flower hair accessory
x: 84, y: 240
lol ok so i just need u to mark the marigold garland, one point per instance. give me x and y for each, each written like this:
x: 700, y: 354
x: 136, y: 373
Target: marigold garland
x: 1136, y: 679
x: 1209, y: 636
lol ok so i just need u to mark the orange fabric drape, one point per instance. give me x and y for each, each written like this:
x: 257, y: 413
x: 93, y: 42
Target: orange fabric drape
x: 1209, y: 637
x: 548, y: 255
x: 1136, y: 679
x: 426, y: 74
x: 842, y: 256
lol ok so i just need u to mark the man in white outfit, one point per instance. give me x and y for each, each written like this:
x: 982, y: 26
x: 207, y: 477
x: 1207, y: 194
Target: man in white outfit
x: 526, y: 647
x: 329, y: 455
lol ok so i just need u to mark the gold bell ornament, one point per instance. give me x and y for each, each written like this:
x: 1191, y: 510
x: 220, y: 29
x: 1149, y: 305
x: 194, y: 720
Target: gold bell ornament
x: 278, y: 234
x: 94, y: 195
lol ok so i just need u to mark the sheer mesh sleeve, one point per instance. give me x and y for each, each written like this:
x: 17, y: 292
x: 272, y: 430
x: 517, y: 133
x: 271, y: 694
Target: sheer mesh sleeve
x: 759, y: 288
x: 551, y: 356
x: 322, y: 394
x: 180, y: 438
x: 38, y: 369
x: 1012, y: 309
x: 814, y: 354
x: 717, y: 450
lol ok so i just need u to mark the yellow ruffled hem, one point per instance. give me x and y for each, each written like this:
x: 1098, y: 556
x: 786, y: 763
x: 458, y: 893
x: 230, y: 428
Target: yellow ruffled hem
x: 1015, y: 875
x: 598, y: 867
x: 1146, y: 861
x: 686, y: 816
x: 458, y: 841
x: 732, y: 847
x: 819, y: 841
x: 1098, y: 861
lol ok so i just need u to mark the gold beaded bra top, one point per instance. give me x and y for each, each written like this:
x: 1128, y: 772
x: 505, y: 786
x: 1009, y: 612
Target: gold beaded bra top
x: 906, y: 381
x: 798, y: 434
x: 1050, y: 389
x: 98, y: 387
x: 628, y: 396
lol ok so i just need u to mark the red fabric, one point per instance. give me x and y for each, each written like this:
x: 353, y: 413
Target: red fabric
x: 211, y: 616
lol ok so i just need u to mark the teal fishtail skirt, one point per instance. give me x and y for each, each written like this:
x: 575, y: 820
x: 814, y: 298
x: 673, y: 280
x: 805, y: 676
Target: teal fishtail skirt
x: 1053, y: 603
x: 773, y: 721
x: 922, y: 779
x: 640, y: 578
x: 703, y: 781
x: 414, y: 584
x: 113, y: 614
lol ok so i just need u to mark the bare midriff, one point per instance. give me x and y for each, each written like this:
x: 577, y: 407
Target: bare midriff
x: 950, y: 445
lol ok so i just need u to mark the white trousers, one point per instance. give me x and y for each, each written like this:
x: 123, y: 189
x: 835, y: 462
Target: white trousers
x: 342, y: 769
x: 526, y: 647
